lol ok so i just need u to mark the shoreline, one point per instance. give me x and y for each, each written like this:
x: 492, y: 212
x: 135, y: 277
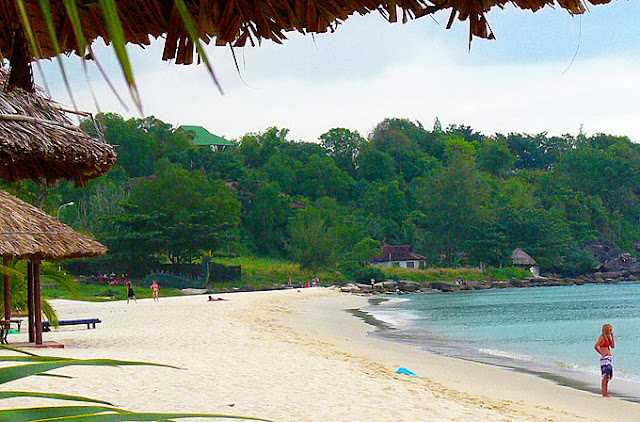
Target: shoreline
x: 537, y: 396
x: 562, y: 376
x: 293, y: 355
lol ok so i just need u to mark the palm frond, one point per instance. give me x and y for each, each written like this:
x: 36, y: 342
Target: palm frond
x: 56, y: 396
x: 116, y: 33
x: 104, y: 412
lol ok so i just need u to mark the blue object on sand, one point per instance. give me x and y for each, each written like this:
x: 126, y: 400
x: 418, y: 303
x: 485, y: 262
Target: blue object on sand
x: 403, y: 370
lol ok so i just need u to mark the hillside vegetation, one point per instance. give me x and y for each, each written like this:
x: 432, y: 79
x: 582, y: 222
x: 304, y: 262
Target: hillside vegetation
x: 459, y: 197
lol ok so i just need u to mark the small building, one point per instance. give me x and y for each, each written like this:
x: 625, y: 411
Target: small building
x: 522, y: 259
x: 399, y: 256
x: 202, y: 137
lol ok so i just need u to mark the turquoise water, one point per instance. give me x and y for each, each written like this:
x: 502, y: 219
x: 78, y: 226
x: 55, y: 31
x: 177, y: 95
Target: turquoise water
x: 548, y: 331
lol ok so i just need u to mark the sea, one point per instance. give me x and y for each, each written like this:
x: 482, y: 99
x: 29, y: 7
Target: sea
x: 549, y: 332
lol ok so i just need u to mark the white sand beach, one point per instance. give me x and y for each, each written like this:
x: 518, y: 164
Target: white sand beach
x: 291, y: 355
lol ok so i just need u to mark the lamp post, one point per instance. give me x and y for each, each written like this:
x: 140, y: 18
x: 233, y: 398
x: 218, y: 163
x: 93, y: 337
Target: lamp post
x: 62, y: 206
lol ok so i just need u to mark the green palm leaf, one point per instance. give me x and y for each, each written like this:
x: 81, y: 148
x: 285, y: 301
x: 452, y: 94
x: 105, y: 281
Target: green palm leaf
x: 11, y: 394
x: 28, y: 30
x: 42, y: 413
x: 100, y: 414
x: 45, y: 6
x: 12, y: 373
x: 116, y: 33
x: 11, y: 272
x: 192, y: 29
x: 74, y: 17
x: 39, y: 365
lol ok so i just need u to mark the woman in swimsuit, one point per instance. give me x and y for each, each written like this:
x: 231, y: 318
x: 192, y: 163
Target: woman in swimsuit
x: 605, y: 343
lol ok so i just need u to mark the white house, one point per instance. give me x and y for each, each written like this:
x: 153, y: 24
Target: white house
x: 399, y: 256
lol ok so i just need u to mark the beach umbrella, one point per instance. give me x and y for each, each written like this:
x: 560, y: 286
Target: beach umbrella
x: 26, y: 232
x: 37, y: 140
x: 33, y: 29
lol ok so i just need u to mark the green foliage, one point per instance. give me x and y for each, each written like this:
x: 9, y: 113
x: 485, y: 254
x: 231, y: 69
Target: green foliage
x: 458, y: 197
x: 344, y: 146
x: 266, y: 221
x: 265, y: 273
x: 494, y: 157
x: 31, y: 364
x: 50, y: 275
x: 311, y: 243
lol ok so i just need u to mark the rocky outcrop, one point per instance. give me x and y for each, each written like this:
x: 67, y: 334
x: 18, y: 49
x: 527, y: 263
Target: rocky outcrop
x: 621, y: 263
x: 601, y: 250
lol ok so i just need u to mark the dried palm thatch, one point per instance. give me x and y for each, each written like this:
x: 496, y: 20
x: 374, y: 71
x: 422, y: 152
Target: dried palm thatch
x: 520, y: 257
x: 236, y: 23
x: 26, y: 231
x: 38, y: 142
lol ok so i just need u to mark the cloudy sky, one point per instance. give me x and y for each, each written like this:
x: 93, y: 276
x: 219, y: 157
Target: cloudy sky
x: 546, y: 71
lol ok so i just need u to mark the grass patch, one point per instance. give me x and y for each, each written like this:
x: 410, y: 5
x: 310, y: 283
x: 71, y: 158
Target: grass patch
x: 267, y: 273
x: 103, y: 292
x: 429, y: 275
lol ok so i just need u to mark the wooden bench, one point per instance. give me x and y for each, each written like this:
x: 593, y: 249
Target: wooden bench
x: 91, y: 323
x: 5, y: 327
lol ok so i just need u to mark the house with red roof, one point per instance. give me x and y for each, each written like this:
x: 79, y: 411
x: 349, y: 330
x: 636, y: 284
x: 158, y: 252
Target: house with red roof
x: 399, y: 256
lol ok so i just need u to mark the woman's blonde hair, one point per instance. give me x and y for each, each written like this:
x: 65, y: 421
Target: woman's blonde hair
x: 606, y: 330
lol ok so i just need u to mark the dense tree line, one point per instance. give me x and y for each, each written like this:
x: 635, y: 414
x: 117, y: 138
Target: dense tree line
x: 458, y: 196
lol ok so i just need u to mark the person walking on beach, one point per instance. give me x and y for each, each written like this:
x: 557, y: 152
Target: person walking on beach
x: 130, y: 293
x: 605, y: 343
x: 156, y: 291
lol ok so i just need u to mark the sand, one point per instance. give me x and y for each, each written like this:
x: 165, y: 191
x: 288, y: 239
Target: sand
x: 292, y: 355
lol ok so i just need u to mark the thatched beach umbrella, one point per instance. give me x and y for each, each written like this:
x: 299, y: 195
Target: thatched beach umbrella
x: 38, y: 142
x: 26, y: 232
x: 234, y: 23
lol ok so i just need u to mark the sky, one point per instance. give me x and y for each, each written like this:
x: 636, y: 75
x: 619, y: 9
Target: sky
x: 545, y: 72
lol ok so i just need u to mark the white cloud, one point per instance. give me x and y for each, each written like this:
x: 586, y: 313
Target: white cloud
x: 370, y: 70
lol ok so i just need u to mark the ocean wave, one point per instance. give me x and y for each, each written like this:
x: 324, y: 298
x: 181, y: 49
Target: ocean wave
x: 393, y: 318
x: 508, y: 355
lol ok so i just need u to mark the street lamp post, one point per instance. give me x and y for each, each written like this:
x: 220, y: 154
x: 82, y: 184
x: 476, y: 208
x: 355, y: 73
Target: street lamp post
x: 62, y: 206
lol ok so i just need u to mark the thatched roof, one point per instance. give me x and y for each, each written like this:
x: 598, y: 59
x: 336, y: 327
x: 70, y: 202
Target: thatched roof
x: 37, y: 141
x: 520, y: 257
x: 27, y: 231
x: 398, y: 253
x: 239, y: 22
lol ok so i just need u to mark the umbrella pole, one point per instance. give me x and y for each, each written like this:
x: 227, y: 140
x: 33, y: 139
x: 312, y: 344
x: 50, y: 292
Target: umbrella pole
x: 37, y: 299
x: 30, y: 312
x: 7, y: 291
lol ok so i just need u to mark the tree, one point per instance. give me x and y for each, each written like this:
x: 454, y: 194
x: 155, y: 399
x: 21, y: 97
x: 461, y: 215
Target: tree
x: 175, y: 215
x: 451, y: 201
x: 312, y: 243
x: 256, y: 148
x: 494, y: 157
x: 528, y: 150
x: 375, y: 165
x: 266, y: 218
x: 344, y: 146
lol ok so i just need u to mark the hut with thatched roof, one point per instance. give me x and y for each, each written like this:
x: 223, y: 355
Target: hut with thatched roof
x: 26, y: 232
x: 38, y: 142
x: 522, y: 259
x: 234, y: 23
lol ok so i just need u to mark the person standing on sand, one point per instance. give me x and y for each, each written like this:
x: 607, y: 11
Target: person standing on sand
x: 130, y: 293
x: 156, y: 291
x: 605, y: 343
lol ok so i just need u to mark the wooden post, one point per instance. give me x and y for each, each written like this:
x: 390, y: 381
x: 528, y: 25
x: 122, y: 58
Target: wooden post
x: 7, y: 291
x: 37, y: 299
x: 30, y: 311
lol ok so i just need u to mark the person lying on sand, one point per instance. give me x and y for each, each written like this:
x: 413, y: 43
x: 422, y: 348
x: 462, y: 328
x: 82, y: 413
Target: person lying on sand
x: 211, y: 299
